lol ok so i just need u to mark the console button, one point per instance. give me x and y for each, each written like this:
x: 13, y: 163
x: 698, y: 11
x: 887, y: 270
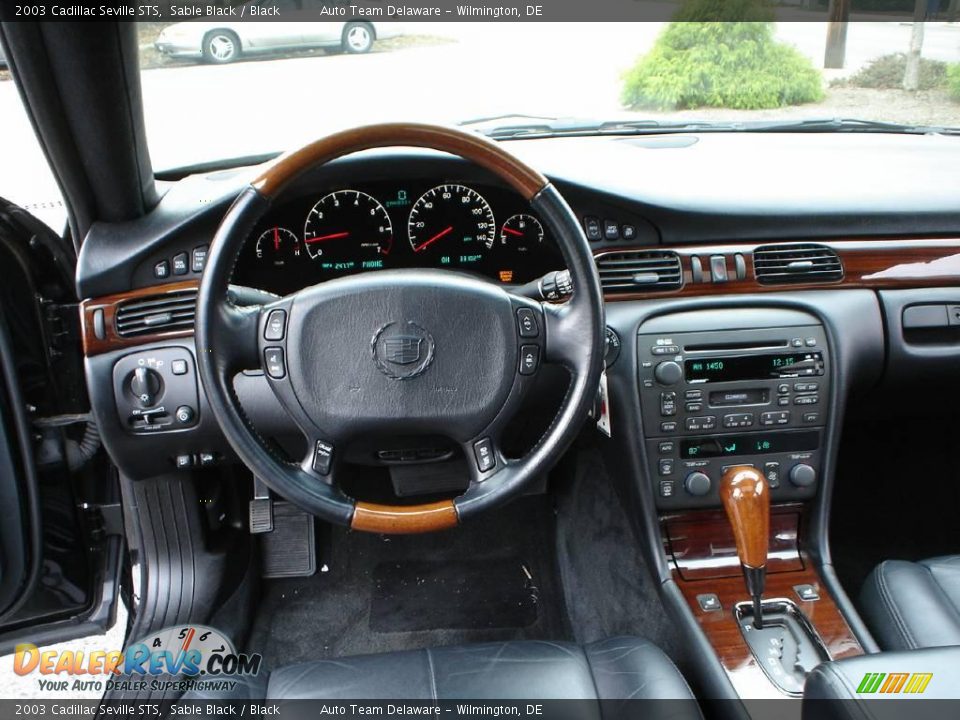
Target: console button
x: 811, y: 417
x: 185, y: 414
x: 693, y: 394
x: 628, y: 232
x: 198, y: 258
x: 178, y: 367
x: 611, y: 231
x: 664, y: 350
x: 772, y: 472
x: 666, y: 447
x: 529, y: 359
x: 807, y: 593
x: 527, y: 323
x: 666, y: 466
x: 708, y: 602
x: 668, y: 427
x: 810, y: 342
x: 738, y: 420
x: 273, y: 359
x: 777, y: 417
x: 783, y: 389
x: 183, y: 461
x: 161, y: 270
x: 692, y: 407
x: 718, y: 268
x: 483, y: 451
x: 784, y: 400
x: 206, y: 459
x: 275, y: 326
x: 593, y: 228
x: 666, y: 488
x: 180, y: 264
x: 806, y: 400
x: 796, y: 342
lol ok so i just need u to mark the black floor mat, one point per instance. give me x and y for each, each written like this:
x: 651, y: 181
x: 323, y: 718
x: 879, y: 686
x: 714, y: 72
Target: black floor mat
x: 360, y: 605
x: 417, y: 595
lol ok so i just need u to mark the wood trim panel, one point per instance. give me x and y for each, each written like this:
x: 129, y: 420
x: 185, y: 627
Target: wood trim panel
x: 404, y: 519
x: 93, y: 345
x: 875, y: 264
x: 702, y: 545
x: 721, y: 628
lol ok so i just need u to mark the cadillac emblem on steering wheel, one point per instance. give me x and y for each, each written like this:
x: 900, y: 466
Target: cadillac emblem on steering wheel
x: 402, y: 350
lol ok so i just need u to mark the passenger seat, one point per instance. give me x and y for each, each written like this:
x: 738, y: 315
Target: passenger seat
x: 910, y: 605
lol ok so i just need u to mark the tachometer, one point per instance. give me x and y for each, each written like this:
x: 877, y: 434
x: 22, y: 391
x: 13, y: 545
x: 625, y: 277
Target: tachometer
x: 278, y: 246
x: 452, y: 222
x: 348, y: 230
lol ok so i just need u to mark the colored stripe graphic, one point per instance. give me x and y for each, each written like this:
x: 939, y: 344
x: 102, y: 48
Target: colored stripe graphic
x: 870, y: 683
x: 918, y: 682
x: 894, y: 682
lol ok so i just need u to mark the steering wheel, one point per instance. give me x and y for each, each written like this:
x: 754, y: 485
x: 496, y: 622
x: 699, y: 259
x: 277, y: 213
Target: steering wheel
x: 399, y: 351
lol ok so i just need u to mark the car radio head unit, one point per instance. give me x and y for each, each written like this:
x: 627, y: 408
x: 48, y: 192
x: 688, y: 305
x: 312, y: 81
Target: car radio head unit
x: 727, y: 368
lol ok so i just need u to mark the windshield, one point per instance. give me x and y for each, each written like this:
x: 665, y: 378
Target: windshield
x: 216, y: 91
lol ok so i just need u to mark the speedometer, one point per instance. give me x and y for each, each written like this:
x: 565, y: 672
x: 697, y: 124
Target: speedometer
x: 452, y: 222
x: 348, y: 230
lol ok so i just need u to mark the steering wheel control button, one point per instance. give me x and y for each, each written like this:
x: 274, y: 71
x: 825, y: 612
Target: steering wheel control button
x: 527, y: 323
x: 180, y: 264
x: 322, y: 457
x: 161, y: 270
x: 276, y: 325
x: 185, y: 414
x: 483, y: 451
x: 529, y: 359
x: 273, y: 360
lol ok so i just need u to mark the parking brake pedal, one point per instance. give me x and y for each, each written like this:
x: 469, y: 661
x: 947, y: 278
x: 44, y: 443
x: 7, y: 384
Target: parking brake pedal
x: 290, y: 550
x: 261, y: 508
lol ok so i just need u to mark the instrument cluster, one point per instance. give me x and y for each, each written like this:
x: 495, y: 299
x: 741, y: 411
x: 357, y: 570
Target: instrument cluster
x: 485, y: 230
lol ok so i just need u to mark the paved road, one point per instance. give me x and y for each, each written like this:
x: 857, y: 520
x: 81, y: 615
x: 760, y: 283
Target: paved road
x: 197, y: 113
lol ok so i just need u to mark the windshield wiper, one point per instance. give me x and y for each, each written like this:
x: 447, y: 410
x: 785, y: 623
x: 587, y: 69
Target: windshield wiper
x: 551, y: 127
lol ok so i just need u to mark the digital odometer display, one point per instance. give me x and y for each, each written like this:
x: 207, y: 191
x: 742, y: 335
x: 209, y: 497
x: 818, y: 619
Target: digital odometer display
x: 754, y: 444
x: 754, y: 367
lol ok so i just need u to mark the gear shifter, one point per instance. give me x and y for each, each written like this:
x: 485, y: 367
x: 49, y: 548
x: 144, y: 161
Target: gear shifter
x: 746, y: 499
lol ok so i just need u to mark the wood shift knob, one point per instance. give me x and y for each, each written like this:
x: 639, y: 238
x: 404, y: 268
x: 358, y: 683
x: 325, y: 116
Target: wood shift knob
x: 746, y: 498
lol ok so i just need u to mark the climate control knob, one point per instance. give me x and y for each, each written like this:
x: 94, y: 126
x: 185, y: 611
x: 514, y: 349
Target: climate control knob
x: 803, y: 475
x: 668, y: 373
x: 697, y: 483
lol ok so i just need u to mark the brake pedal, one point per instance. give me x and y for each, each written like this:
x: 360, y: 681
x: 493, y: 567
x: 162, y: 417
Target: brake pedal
x: 290, y: 550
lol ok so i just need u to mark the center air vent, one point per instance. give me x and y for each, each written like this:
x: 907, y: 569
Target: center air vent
x: 639, y: 270
x: 157, y: 313
x: 797, y: 263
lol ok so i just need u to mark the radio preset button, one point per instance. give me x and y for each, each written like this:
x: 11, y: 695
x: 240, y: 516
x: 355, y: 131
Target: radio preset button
x: 664, y: 350
x: 738, y: 420
x: 706, y: 422
x: 781, y: 417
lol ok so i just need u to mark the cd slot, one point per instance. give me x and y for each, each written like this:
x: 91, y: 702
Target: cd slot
x: 736, y: 347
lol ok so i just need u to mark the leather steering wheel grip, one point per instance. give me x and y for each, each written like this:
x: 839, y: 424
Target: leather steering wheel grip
x: 225, y: 333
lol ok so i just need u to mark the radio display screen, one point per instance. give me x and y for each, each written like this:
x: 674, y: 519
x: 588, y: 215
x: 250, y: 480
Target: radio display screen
x: 753, y: 367
x: 753, y: 444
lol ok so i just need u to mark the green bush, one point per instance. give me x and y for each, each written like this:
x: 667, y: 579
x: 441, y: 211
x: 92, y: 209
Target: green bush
x: 886, y: 73
x: 721, y: 64
x: 953, y: 80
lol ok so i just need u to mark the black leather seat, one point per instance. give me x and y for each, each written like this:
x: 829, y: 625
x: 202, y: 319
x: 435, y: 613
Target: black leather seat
x: 911, y: 605
x: 616, y: 669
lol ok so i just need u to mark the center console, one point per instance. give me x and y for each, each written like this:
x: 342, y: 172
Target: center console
x: 714, y: 395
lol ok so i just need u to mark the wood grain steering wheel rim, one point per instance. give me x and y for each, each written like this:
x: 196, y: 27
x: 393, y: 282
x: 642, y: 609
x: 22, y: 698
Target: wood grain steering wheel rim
x: 229, y: 338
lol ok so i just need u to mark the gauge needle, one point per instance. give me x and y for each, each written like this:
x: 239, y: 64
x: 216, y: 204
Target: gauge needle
x: 276, y: 239
x: 511, y: 231
x: 331, y: 236
x: 446, y: 231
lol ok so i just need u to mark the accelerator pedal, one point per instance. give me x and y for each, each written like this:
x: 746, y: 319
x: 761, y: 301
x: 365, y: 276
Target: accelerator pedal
x: 261, y: 508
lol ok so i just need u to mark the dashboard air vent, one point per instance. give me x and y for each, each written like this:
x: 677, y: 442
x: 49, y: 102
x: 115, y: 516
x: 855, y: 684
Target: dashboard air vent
x: 639, y: 270
x: 157, y: 313
x: 796, y: 263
